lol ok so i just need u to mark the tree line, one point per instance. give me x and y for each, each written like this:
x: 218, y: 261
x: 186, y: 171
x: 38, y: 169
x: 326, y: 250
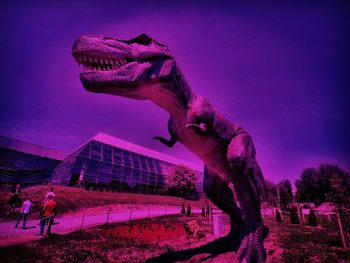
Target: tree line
x: 326, y: 183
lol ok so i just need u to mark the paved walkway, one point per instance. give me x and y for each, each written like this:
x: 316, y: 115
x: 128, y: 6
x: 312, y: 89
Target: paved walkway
x: 10, y: 235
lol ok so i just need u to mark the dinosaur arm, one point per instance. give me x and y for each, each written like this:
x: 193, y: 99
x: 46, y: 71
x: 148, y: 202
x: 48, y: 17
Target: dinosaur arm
x: 170, y: 143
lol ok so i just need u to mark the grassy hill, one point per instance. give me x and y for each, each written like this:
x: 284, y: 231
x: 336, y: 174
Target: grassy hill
x: 70, y: 199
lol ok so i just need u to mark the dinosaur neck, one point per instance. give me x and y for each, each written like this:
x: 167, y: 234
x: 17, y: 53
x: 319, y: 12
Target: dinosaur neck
x: 174, y: 95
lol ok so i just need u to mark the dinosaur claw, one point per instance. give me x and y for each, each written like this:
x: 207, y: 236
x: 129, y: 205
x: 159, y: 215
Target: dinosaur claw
x: 252, y: 247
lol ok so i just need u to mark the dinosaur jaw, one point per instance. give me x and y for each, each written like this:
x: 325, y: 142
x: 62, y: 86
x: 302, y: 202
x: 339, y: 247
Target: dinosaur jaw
x: 121, y: 67
x: 105, y: 74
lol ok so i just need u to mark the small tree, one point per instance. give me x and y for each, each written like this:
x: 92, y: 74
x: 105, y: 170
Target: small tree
x: 188, y: 210
x: 183, y: 211
x: 203, y: 211
x: 312, y: 220
x: 294, y: 218
x: 278, y: 216
x: 182, y: 182
x: 271, y: 193
x: 286, y: 195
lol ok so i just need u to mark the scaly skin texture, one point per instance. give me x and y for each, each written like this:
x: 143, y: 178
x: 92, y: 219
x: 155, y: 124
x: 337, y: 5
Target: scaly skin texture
x: 141, y: 68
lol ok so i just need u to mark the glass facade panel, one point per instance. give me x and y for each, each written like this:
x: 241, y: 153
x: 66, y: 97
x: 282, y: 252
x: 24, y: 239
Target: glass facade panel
x: 100, y: 163
x: 107, y: 153
x: 135, y: 161
x: 143, y: 163
x: 150, y: 165
x: 96, y: 151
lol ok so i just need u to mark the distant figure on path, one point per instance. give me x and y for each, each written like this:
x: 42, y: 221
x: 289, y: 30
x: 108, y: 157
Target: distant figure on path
x: 25, y: 210
x: 14, y: 199
x: 49, y: 193
x: 47, y: 214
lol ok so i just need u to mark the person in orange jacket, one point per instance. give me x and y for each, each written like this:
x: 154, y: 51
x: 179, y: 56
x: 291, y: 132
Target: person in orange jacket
x: 47, y: 214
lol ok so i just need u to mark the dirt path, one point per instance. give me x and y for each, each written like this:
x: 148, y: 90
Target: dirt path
x: 9, y: 235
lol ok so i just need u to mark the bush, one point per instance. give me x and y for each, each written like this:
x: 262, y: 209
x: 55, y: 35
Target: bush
x: 278, y: 216
x: 182, y: 182
x: 188, y: 210
x: 183, y: 211
x: 312, y: 220
x: 294, y: 218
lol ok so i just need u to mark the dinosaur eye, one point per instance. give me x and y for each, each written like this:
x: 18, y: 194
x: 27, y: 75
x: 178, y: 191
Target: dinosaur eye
x: 141, y: 39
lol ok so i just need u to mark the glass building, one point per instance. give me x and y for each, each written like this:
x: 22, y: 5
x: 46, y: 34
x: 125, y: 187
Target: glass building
x: 27, y: 163
x: 109, y: 162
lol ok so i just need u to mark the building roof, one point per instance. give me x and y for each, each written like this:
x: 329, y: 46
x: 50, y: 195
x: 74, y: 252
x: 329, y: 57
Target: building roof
x: 116, y: 142
x: 30, y: 148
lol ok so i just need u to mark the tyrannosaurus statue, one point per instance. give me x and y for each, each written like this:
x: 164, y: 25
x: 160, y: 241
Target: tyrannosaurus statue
x: 141, y: 68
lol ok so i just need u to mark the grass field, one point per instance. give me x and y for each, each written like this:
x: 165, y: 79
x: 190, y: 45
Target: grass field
x: 71, y: 199
x: 134, y: 242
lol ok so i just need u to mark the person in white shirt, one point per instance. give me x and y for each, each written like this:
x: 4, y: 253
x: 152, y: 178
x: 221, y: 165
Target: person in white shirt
x: 25, y: 210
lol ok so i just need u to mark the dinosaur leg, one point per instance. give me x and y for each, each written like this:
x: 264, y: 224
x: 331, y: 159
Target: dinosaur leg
x: 248, y: 183
x: 218, y: 191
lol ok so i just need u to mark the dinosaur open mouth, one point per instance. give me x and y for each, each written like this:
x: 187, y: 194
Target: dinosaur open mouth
x: 101, y: 64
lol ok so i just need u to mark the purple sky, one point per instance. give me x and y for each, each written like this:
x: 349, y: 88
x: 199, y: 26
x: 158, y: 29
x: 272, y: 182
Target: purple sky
x: 279, y: 70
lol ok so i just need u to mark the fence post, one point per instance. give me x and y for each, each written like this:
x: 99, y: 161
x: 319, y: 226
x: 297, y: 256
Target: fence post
x: 82, y: 221
x: 109, y: 210
x: 130, y: 214
x: 341, y: 229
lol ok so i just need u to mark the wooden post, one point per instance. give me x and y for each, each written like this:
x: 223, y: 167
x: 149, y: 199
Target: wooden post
x: 210, y: 214
x: 341, y: 231
x: 130, y: 214
x: 329, y: 218
x: 82, y: 221
x: 109, y: 210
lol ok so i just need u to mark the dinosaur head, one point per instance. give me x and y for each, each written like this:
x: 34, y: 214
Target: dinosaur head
x: 122, y: 67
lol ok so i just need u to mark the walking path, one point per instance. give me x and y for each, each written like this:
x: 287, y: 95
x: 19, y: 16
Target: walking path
x: 9, y: 235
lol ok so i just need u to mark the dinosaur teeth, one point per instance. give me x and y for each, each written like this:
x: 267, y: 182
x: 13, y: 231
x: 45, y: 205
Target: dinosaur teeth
x: 85, y: 59
x: 111, y: 62
x: 90, y: 59
x: 106, y: 61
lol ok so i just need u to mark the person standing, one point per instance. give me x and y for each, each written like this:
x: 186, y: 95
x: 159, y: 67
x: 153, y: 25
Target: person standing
x: 47, y: 215
x: 14, y: 199
x: 25, y: 210
x: 49, y: 193
x: 53, y: 195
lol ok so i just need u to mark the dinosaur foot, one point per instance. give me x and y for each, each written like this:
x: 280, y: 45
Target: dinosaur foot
x: 252, y: 247
x: 214, y: 248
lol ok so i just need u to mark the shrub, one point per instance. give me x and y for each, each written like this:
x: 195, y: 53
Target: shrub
x: 183, y: 211
x: 312, y: 220
x: 278, y: 216
x: 294, y: 218
x: 188, y: 210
